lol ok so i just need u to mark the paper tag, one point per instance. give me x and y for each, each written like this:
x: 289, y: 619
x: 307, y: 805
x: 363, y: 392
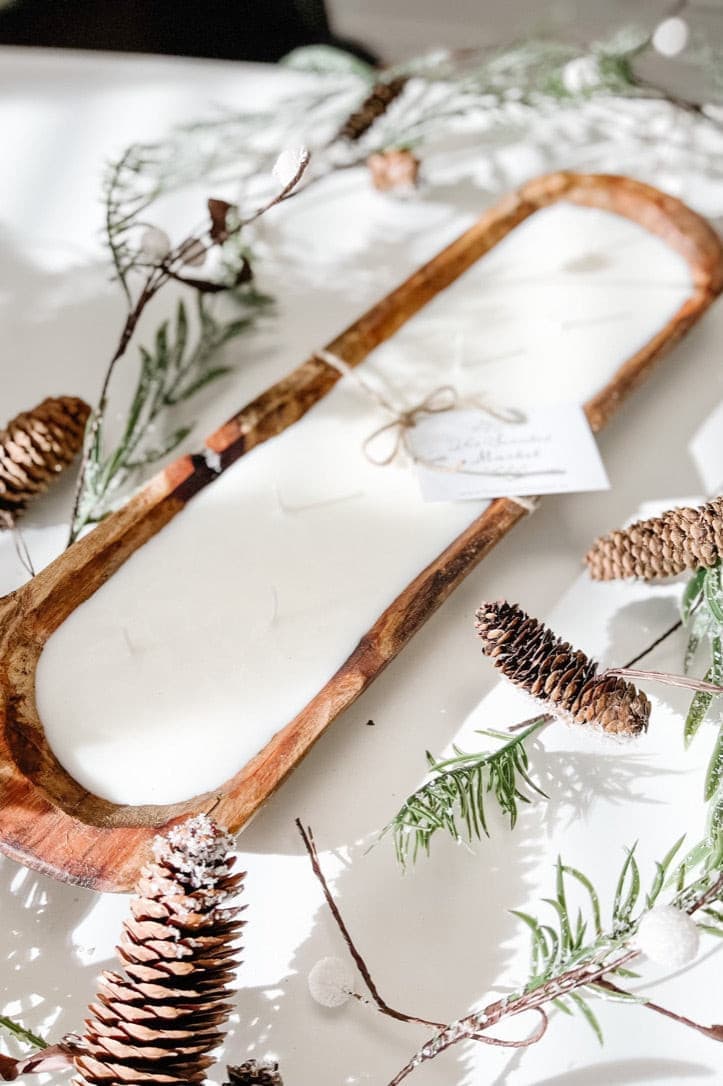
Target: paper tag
x: 468, y: 454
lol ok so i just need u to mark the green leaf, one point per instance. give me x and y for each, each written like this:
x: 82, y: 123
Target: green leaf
x: 661, y: 871
x: 594, y: 901
x: 625, y: 900
x: 714, y: 776
x: 25, y: 1035
x: 327, y: 60
x: 181, y: 336
x: 713, y: 591
x: 692, y: 594
x: 588, y: 1015
x: 561, y: 1006
x: 565, y: 932
x: 699, y: 707
x: 698, y: 630
x: 205, y: 379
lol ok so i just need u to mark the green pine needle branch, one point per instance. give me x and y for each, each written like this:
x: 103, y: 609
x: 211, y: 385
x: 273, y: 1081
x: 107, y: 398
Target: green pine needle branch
x: 575, y: 955
x: 454, y: 798
x: 172, y: 371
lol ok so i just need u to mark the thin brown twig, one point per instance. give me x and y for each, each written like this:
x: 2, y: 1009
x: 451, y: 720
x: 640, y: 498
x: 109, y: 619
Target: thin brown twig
x: 654, y: 644
x: 668, y: 679
x: 714, y: 1032
x: 307, y: 837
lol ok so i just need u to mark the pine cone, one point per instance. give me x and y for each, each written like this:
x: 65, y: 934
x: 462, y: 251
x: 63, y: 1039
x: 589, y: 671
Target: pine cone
x: 253, y: 1073
x: 531, y: 656
x: 157, y: 1021
x: 394, y: 170
x: 34, y: 447
x: 678, y: 540
x: 378, y: 101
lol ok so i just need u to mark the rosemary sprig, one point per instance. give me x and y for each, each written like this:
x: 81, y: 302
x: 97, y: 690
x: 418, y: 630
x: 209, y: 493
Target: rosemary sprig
x: 453, y: 800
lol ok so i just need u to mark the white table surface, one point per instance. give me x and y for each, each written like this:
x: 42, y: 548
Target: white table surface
x: 441, y: 938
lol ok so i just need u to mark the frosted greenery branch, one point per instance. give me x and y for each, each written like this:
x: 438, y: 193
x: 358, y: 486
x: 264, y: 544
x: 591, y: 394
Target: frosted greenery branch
x: 488, y: 86
x: 171, y: 371
x: 26, y: 1036
x: 575, y: 957
x: 454, y: 799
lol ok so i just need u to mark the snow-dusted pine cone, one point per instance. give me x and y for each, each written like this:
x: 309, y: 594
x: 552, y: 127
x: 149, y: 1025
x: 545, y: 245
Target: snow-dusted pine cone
x: 157, y: 1021
x: 663, y: 546
x: 34, y: 447
x: 530, y: 655
x: 253, y: 1073
x: 374, y: 105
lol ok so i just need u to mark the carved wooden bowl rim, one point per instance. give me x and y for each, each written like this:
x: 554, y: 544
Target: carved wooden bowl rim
x: 50, y: 822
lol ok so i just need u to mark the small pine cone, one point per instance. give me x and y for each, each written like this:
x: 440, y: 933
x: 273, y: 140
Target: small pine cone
x: 157, y: 1021
x: 378, y: 101
x: 253, y: 1073
x: 531, y: 656
x: 394, y: 170
x: 663, y: 546
x: 34, y: 447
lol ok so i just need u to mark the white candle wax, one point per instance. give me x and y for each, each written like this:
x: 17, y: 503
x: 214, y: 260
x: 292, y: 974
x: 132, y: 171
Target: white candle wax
x: 222, y: 627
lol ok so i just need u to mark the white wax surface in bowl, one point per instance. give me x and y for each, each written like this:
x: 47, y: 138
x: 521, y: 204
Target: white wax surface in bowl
x: 221, y: 628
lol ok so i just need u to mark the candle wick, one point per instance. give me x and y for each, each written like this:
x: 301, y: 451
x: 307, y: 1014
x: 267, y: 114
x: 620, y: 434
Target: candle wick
x: 603, y: 318
x: 292, y: 509
x: 274, y: 606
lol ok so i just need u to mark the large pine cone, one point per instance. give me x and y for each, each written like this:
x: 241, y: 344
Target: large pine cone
x: 374, y: 105
x: 253, y: 1073
x: 531, y: 656
x: 679, y: 540
x: 34, y: 447
x: 157, y: 1021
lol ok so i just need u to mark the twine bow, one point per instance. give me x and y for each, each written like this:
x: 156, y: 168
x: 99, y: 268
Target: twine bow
x: 439, y: 400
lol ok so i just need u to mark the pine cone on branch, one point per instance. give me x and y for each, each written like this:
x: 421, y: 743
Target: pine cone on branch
x: 253, y: 1073
x: 157, y: 1021
x: 374, y: 105
x: 679, y: 540
x: 34, y: 447
x: 530, y: 655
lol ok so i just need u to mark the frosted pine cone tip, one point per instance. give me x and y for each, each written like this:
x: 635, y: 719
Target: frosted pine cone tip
x: 681, y: 539
x: 158, y: 1020
x: 530, y: 655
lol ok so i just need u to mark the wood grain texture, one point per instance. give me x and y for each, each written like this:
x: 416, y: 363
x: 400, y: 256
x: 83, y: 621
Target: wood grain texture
x: 47, y: 820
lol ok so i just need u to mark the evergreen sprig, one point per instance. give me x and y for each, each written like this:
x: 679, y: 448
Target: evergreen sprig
x: 173, y: 370
x: 702, y: 614
x: 576, y: 937
x: 454, y: 798
x: 21, y: 1033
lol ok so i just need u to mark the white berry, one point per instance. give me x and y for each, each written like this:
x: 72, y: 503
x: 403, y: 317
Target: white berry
x: 289, y: 163
x: 581, y: 74
x: 155, y: 243
x: 671, y: 36
x: 330, y: 982
x: 668, y: 936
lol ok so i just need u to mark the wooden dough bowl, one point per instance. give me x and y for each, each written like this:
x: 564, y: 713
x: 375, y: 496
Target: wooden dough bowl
x: 47, y: 820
